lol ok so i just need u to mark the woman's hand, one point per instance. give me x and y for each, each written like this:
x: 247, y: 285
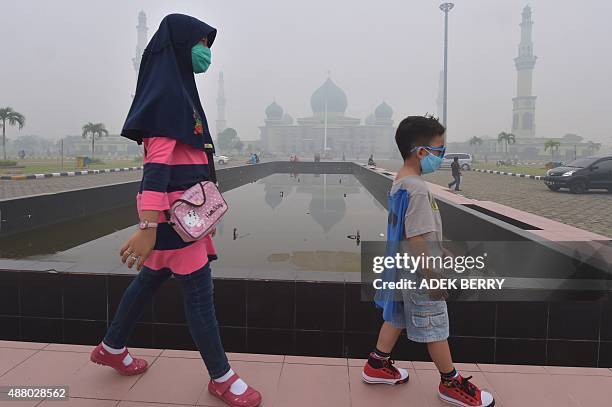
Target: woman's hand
x: 138, y: 247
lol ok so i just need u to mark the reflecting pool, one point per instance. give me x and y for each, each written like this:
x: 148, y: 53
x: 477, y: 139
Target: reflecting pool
x: 312, y: 222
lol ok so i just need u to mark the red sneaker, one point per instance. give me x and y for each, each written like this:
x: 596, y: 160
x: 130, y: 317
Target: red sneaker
x: 386, y: 373
x: 461, y: 392
x: 100, y: 356
x: 250, y: 398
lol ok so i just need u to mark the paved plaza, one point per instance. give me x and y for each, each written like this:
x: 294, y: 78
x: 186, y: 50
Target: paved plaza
x: 590, y: 211
x: 13, y: 189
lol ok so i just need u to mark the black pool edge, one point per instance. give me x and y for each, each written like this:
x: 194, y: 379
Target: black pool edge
x: 307, y: 318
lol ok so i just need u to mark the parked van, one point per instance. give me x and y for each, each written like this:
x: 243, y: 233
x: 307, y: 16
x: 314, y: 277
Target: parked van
x: 465, y: 160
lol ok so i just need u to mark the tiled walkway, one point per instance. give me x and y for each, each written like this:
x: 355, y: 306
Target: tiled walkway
x: 178, y: 378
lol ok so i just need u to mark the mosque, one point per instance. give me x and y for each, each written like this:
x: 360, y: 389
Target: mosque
x: 328, y: 130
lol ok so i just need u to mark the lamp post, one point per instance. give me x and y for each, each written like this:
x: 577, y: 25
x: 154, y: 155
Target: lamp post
x: 445, y: 7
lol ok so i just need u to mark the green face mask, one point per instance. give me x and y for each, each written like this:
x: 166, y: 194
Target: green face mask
x: 200, y: 58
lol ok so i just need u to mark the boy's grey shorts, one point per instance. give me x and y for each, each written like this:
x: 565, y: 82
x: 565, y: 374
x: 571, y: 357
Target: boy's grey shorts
x: 426, y: 319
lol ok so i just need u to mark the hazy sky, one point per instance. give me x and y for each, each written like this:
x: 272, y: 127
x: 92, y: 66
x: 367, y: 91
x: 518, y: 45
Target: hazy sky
x: 66, y: 62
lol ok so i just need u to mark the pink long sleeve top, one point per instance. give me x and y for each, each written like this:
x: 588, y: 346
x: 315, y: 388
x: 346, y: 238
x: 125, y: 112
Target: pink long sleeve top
x: 170, y: 168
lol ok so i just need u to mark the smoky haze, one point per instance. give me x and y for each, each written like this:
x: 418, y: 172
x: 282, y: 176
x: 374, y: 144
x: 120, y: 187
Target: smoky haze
x: 68, y: 62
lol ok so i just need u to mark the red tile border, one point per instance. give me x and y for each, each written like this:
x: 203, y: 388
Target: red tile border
x: 23, y: 345
x: 61, y: 347
x: 522, y: 369
x: 578, y: 371
x: 185, y: 354
x: 307, y: 360
x: 296, y: 376
x: 255, y: 357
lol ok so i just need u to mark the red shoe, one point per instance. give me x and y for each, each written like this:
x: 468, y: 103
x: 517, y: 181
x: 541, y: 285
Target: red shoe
x: 461, y: 392
x: 250, y: 398
x: 100, y: 356
x: 386, y: 373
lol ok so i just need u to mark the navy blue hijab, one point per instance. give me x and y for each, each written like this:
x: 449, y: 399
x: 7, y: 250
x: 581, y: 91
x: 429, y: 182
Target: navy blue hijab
x: 167, y: 101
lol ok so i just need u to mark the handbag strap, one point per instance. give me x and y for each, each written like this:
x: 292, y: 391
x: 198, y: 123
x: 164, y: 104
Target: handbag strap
x: 211, y: 166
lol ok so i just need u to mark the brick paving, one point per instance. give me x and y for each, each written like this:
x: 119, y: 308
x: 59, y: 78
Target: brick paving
x: 591, y: 211
x: 17, y: 188
x: 13, y: 189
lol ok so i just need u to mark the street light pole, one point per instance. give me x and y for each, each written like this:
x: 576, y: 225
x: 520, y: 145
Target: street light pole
x: 445, y: 7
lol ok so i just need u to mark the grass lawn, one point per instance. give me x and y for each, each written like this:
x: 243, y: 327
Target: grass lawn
x: 44, y: 166
x: 518, y: 169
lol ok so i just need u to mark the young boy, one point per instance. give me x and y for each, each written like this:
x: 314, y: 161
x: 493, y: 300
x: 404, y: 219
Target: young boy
x: 417, y: 223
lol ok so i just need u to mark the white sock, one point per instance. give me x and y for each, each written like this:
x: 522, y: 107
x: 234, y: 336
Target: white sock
x: 112, y: 351
x: 128, y: 358
x: 238, y: 387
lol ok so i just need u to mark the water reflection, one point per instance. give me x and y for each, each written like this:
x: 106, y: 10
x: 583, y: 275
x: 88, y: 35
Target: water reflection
x: 310, y: 222
x: 281, y: 222
x: 328, y: 193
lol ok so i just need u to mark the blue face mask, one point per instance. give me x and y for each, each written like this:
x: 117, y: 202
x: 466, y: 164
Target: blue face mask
x: 200, y: 58
x: 431, y: 162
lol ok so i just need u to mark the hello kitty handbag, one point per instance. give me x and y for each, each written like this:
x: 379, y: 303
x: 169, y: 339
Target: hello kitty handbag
x: 195, y: 214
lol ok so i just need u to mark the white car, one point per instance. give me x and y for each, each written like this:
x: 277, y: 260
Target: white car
x: 221, y: 159
x: 465, y: 160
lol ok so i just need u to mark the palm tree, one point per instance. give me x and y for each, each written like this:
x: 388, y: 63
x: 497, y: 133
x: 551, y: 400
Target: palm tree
x: 13, y: 118
x: 593, y: 147
x: 553, y: 145
x: 227, y: 139
x: 506, y: 138
x: 94, y: 130
x: 475, y: 142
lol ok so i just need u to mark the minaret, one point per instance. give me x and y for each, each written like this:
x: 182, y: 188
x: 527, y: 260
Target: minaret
x: 523, y: 111
x: 221, y: 123
x: 141, y: 43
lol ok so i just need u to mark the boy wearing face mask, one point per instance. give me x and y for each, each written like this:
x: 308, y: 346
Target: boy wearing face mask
x: 414, y: 220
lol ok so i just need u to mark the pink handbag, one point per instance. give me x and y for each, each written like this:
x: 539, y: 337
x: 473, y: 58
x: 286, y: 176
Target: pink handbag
x: 197, y: 211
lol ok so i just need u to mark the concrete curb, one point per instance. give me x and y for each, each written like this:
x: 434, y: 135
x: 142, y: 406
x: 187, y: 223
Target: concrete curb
x: 66, y: 173
x: 512, y: 174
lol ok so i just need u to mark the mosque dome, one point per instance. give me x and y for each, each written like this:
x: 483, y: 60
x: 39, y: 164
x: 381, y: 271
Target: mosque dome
x: 274, y: 111
x: 383, y: 111
x: 328, y: 93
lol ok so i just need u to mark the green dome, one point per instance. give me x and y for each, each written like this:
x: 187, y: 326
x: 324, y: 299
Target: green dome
x: 328, y: 93
x: 274, y: 111
x: 383, y: 111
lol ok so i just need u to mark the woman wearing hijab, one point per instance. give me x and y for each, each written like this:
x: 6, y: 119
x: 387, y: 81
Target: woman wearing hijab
x: 167, y: 117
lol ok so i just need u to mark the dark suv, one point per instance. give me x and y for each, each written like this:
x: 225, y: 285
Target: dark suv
x: 581, y: 175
